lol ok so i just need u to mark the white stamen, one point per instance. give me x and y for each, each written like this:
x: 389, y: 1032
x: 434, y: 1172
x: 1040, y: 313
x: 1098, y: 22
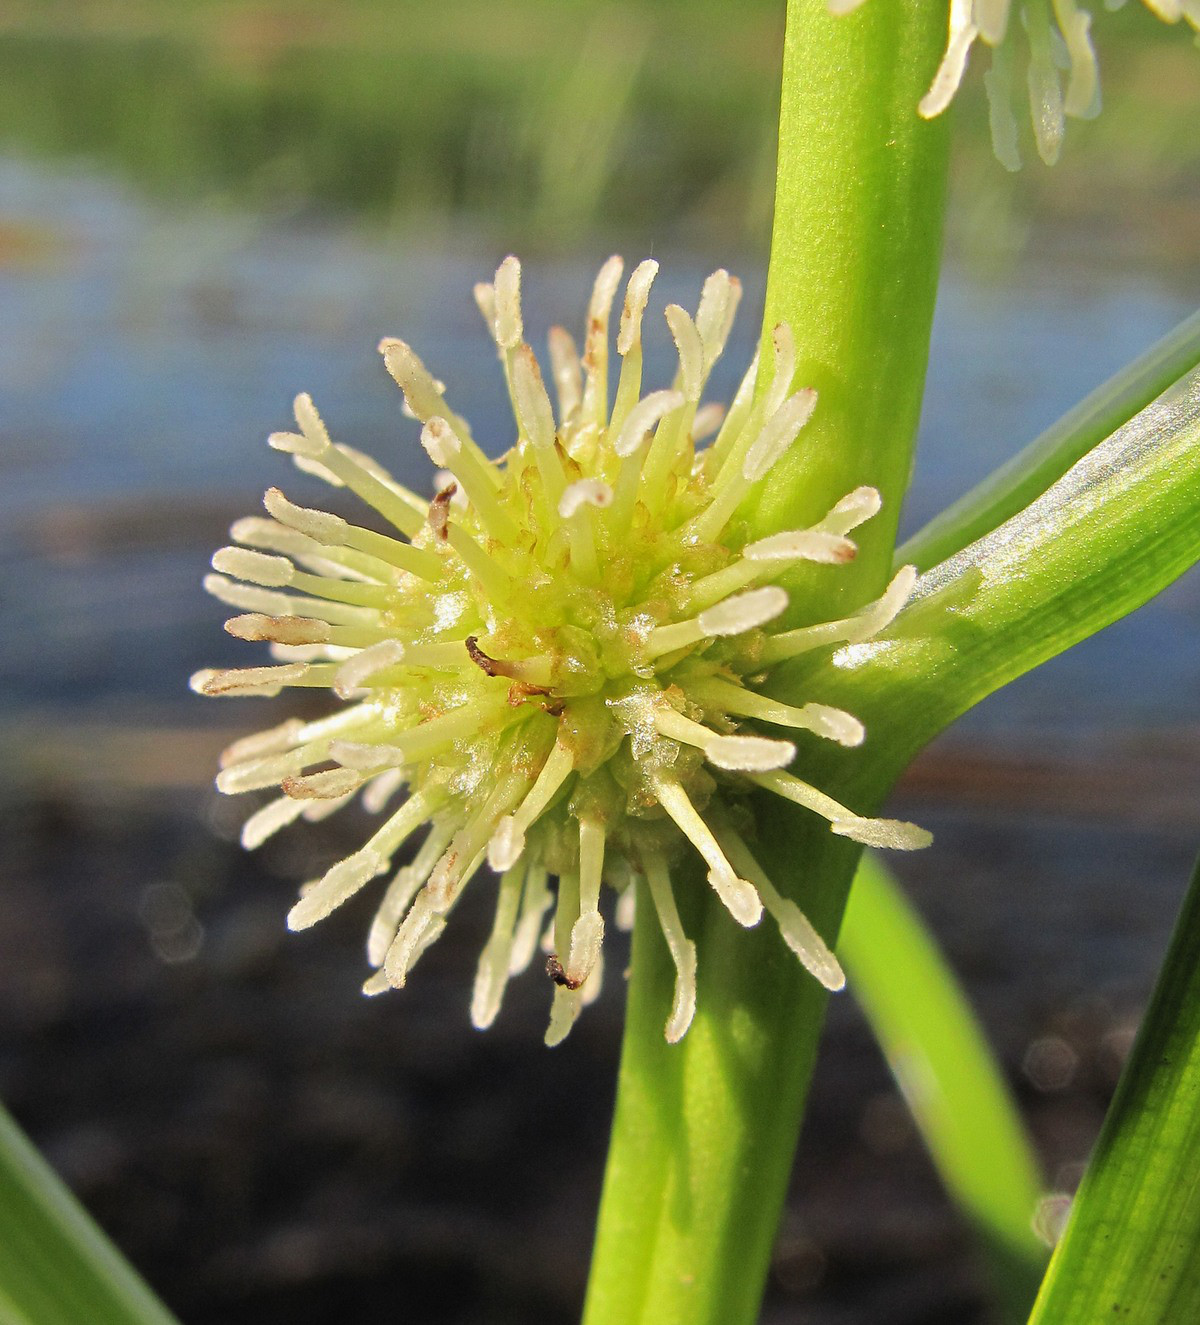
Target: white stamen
x: 778, y: 433
x: 743, y: 611
x: 329, y: 784
x: 367, y: 757
x: 691, y: 350
x: 637, y: 292
x: 272, y: 741
x: 485, y: 298
x: 642, y: 417
x: 508, y: 837
x: 834, y: 724
x: 892, y: 834
x: 508, y: 303
x: 505, y: 845
x: 534, y: 903
x: 255, y: 567
x: 281, y: 629
x: 783, y: 347
x: 714, y: 317
x: 246, y: 680
x: 749, y: 754
x: 566, y: 372
x: 739, y: 753
x: 273, y: 816
x: 564, y: 1012
x: 855, y: 508
x: 681, y: 948
x: 423, y: 394
x: 440, y: 443
x: 795, y: 927
x: 802, y: 545
x: 737, y: 894
x: 584, y: 492
x: 400, y: 892
x: 954, y: 62
x: 351, y: 675
x: 708, y: 419
x: 534, y: 412
x: 624, y: 915
x: 991, y: 18
x: 318, y: 525
x: 337, y: 886
x: 492, y: 974
x: 1045, y: 93
x: 381, y: 788
x: 587, y: 934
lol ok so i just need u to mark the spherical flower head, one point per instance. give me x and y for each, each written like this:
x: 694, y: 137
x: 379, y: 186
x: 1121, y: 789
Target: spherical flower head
x: 553, y: 668
x: 1058, y: 33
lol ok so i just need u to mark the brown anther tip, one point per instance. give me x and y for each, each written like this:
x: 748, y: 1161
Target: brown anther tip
x: 554, y: 969
x: 487, y: 665
x: 439, y: 511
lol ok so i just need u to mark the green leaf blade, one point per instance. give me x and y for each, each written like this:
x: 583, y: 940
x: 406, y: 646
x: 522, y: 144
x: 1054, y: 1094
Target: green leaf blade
x: 1131, y: 1250
x: 953, y: 1085
x: 56, y: 1265
x: 1014, y: 485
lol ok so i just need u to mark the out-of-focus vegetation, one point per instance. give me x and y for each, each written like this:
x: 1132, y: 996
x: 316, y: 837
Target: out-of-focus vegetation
x: 550, y: 117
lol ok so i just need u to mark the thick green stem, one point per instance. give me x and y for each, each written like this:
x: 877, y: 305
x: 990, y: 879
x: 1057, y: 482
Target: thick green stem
x: 854, y: 260
x: 705, y: 1130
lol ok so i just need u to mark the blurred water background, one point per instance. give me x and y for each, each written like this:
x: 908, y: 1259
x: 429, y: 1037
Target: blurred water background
x: 206, y: 207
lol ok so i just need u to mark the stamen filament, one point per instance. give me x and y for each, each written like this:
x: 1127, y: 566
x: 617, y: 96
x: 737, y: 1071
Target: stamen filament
x: 492, y: 974
x: 856, y: 629
x: 737, y: 894
x: 403, y: 888
x: 893, y: 833
x: 732, y: 616
x: 474, y: 474
x: 741, y: 753
x: 681, y: 948
x: 795, y: 927
x: 508, y: 839
x: 832, y: 723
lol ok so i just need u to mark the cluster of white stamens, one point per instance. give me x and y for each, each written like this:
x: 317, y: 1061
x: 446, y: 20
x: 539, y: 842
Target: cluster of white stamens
x: 556, y: 658
x: 1059, y: 36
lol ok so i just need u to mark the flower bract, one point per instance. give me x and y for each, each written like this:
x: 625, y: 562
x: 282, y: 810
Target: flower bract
x: 556, y: 667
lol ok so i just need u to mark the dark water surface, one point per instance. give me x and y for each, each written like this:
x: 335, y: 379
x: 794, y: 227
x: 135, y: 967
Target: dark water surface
x: 265, y: 1143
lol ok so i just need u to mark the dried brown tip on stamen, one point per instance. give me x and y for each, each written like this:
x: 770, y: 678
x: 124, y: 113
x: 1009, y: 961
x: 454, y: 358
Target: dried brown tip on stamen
x: 439, y: 511
x: 554, y: 969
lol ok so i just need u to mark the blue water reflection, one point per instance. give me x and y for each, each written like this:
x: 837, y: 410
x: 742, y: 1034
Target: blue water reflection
x: 145, y: 354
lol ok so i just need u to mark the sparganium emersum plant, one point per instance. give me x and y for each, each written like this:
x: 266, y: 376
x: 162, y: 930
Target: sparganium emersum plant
x: 644, y: 646
x: 556, y: 664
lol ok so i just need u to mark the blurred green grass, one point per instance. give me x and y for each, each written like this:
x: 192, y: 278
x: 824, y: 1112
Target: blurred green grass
x: 549, y: 120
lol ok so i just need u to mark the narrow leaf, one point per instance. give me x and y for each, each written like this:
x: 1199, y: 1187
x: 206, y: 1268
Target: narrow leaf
x: 56, y: 1266
x: 948, y: 1075
x: 1131, y: 1251
x: 1014, y: 485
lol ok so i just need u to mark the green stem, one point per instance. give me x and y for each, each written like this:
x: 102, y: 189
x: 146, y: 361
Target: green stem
x: 854, y: 260
x: 705, y: 1130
